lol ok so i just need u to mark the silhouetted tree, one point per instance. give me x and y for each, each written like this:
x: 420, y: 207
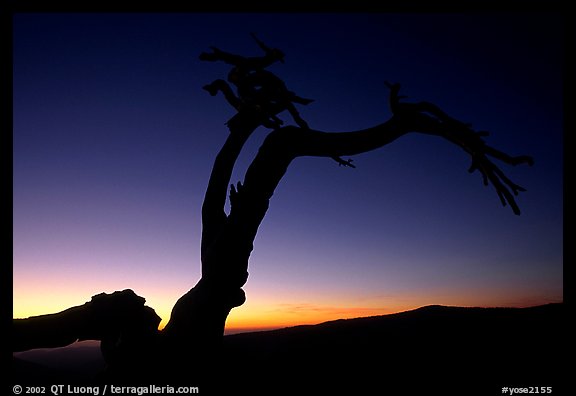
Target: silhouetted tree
x: 227, y: 239
x: 197, y: 321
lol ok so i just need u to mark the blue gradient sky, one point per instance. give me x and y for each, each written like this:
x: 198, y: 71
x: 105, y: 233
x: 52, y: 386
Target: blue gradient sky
x: 114, y: 141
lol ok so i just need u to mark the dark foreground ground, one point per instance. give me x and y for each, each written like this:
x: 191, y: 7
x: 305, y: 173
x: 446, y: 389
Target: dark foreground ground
x: 432, y: 350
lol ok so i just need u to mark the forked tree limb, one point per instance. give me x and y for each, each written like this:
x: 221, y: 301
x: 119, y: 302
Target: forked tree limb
x: 228, y: 239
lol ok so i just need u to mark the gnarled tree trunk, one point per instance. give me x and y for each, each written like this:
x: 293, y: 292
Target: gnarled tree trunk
x: 198, y: 318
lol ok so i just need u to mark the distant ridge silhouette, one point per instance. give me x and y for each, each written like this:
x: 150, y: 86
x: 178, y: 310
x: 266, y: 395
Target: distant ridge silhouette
x: 425, y: 350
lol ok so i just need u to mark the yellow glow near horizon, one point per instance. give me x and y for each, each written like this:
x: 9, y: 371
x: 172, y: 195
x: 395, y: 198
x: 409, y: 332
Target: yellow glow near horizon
x: 266, y: 317
x: 266, y: 310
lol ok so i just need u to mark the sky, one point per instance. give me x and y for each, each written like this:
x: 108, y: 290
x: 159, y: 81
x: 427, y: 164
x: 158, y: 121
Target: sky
x: 114, y: 140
